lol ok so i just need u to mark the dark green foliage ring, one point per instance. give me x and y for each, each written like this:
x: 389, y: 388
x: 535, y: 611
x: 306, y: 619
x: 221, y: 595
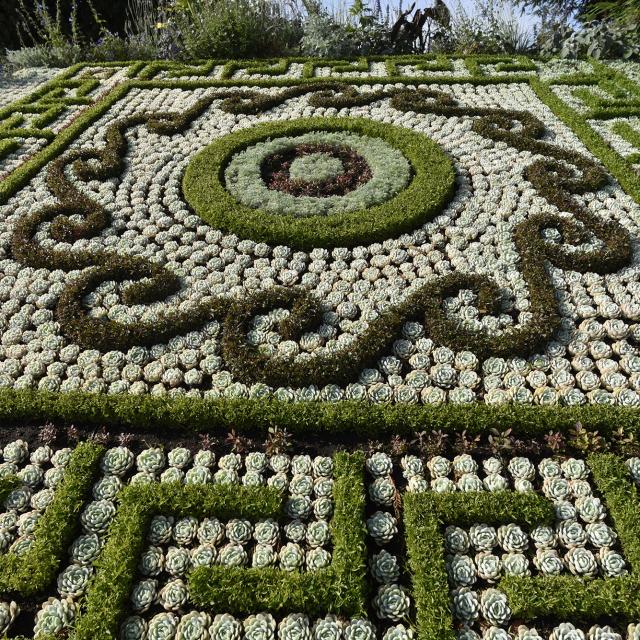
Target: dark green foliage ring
x: 431, y: 188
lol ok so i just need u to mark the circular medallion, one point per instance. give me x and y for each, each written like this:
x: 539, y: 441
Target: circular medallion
x: 319, y: 182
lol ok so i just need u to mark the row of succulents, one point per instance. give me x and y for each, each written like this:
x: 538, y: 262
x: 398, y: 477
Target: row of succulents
x: 18, y: 85
x: 623, y: 146
x: 593, y: 358
x: 581, y: 542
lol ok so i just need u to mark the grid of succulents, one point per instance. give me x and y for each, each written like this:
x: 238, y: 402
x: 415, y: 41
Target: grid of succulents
x: 307, y: 231
x: 580, y: 542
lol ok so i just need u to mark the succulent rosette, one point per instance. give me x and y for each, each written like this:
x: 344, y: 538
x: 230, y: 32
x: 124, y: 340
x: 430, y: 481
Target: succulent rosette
x: 117, y: 461
x: 97, y: 516
x: 521, y: 468
x: 143, y: 595
x: 566, y: 631
x: 73, y: 581
x: 295, y: 626
x: 493, y: 482
x: 232, y: 555
x: 590, y: 509
x: 193, y: 626
x: 495, y: 633
x: 291, y: 556
x: 548, y: 562
x: 379, y: 465
x: 177, y: 561
x: 261, y: 626
x: 575, y: 469
x: 439, y: 467
x: 581, y: 562
x: 461, y: 570
x: 382, y: 527
x: 8, y: 613
x: 465, y: 604
x: 382, y: 491
x: 483, y: 537
x: 210, y: 531
x: 464, y: 463
x: 198, y: 474
x: 494, y: 607
x: 359, y: 629
x: 488, y: 566
x: 327, y: 628
x: 160, y: 530
x: 571, y: 533
x: 391, y: 602
x: 180, y: 457
x: 163, y: 626
x: 384, y: 567
x: 54, y: 617
x: 512, y: 538
x: 317, y: 533
x: 174, y: 595
x: 398, y: 632
x: 612, y: 563
x: 15, y: 452
x: 549, y: 468
x: 600, y: 535
x: 515, y: 564
x: 133, y: 628
x: 544, y: 537
x: 317, y: 558
x: 526, y: 633
x: 107, y: 487
x: 263, y: 556
x: 152, y: 460
x: 239, y: 531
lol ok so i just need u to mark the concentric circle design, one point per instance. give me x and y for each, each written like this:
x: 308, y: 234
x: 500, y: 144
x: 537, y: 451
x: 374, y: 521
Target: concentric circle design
x: 372, y: 181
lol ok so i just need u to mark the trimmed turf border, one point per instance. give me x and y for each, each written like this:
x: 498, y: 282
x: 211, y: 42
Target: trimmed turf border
x: 339, y: 588
x: 34, y: 571
x: 430, y: 189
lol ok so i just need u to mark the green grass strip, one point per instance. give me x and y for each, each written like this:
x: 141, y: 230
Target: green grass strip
x: 616, y: 164
x: 339, y: 588
x: 35, y: 571
x: 425, y: 514
x: 116, y: 567
x: 567, y: 597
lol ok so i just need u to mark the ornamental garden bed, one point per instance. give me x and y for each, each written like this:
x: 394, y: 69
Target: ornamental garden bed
x: 321, y: 350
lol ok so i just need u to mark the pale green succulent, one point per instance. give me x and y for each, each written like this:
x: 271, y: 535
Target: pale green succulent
x: 495, y: 633
x: 417, y: 484
x: 185, y: 530
x: 461, y: 570
x: 443, y: 485
x: 8, y: 469
x: 464, y: 463
x: 295, y: 626
x: 495, y: 608
x: 230, y: 461
x: 600, y: 535
x: 612, y: 563
x: 544, y: 537
x: 322, y: 467
x: 73, y: 581
x: 379, y: 465
x: 549, y: 468
x: 279, y: 481
x: 317, y: 533
x: 198, y: 474
x: 117, y: 461
x: 469, y: 482
x: 21, y: 545
x: 571, y: 533
x: 151, y: 562
x: 391, y: 602
x: 151, y: 460
x: 633, y: 464
x: 6, y: 538
x: 210, y: 531
x: 162, y: 626
x: 301, y: 485
x: 515, y: 564
x: 526, y: 633
x: 574, y: 469
x: 603, y: 633
x: 359, y: 629
x: 41, y: 455
x: 298, y: 507
x: 18, y: 500
x: 492, y: 465
x: 233, y: 555
x: 261, y: 626
x: 590, y: 509
x: 256, y: 461
x: 488, y: 566
x: 9, y: 611
x: 411, y: 466
x: 239, y: 531
x: 327, y: 628
x: 27, y: 522
x: 173, y: 595
x: 465, y: 604
x: 566, y: 631
x: 323, y: 507
x: 565, y: 510
x: 204, y: 555
x: 483, y: 537
x: 142, y: 478
x: 291, y: 556
x: 180, y: 457
x: 548, y: 562
x: 42, y: 499
x: 204, y: 458
x: 160, y: 530
x: 398, y: 632
x: 494, y: 482
x: 52, y: 477
x: 193, y: 626
x: 317, y: 558
x: 580, y: 488
x: 456, y: 540
x: 382, y: 527
x: 133, y: 628
x: 16, y: 452
x: 61, y: 457
x: 467, y: 634
x: 581, y: 562
x: 384, y: 567
x: 263, y: 556
x: 172, y: 475
x: 522, y: 486
x: 177, y: 561
x: 143, y: 595
x: 253, y: 479
x: 97, y: 516
x: 225, y: 627
x: 633, y: 632
x: 512, y: 538
x: 226, y: 476
x: 382, y: 491
x: 280, y: 462
x: 107, y: 487
x: 301, y: 465
x: 31, y: 475
x: 266, y: 532
x: 54, y: 616
x: 520, y: 467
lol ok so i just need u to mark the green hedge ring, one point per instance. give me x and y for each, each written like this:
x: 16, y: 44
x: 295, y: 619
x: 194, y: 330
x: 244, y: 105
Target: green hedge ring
x: 428, y: 192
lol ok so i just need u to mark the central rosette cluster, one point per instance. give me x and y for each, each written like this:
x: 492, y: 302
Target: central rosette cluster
x: 317, y: 173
